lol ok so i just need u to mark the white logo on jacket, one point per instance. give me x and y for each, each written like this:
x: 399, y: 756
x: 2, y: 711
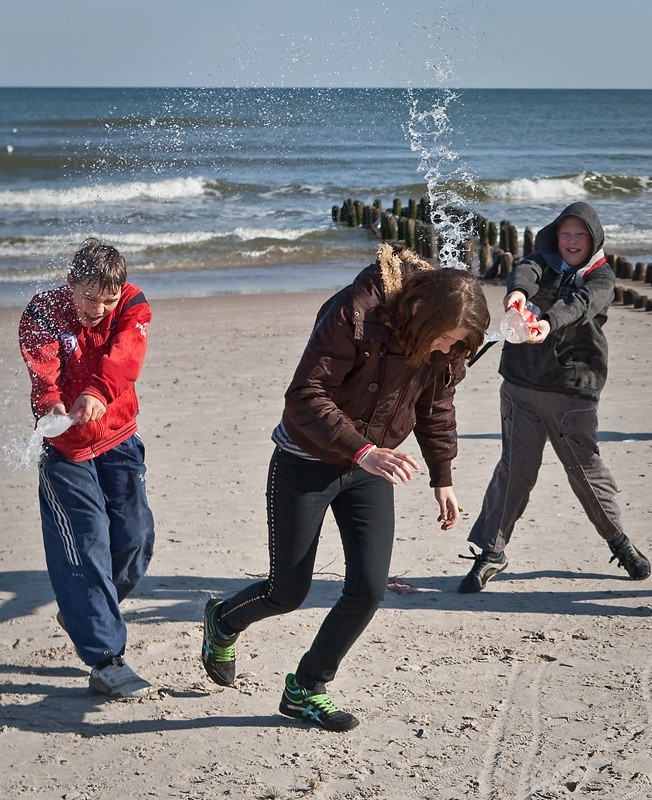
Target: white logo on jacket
x: 142, y: 327
x: 69, y: 343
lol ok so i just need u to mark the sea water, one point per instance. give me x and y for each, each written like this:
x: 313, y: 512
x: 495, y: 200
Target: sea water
x: 230, y: 190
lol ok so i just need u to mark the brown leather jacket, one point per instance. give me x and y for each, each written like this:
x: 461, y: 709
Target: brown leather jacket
x: 353, y: 385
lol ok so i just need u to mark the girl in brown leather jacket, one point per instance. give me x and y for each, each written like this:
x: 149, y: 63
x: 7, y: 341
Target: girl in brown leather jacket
x: 383, y: 360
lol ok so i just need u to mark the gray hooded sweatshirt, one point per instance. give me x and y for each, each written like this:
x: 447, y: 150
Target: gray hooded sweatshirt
x: 573, y: 358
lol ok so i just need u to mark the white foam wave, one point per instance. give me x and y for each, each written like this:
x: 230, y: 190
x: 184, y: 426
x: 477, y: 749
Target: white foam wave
x: 102, y: 194
x: 128, y: 243
x: 627, y: 236
x: 289, y: 234
x: 62, y: 247
x: 302, y: 189
x: 540, y: 189
x: 274, y: 249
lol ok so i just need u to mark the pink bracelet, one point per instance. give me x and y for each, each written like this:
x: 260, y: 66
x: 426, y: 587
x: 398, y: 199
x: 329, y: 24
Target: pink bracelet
x: 362, y: 452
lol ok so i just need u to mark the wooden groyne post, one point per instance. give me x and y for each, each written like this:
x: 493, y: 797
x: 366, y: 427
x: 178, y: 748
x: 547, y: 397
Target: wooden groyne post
x: 497, y: 246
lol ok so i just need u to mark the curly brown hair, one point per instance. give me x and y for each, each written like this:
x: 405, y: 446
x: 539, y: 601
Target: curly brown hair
x: 433, y: 302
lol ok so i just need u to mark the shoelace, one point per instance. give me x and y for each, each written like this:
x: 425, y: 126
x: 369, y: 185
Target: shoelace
x: 323, y: 703
x: 475, y: 556
x: 625, y: 551
x: 224, y: 653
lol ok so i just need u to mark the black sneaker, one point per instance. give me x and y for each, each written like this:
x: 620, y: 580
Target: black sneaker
x: 314, y: 706
x: 487, y: 565
x: 629, y: 557
x: 217, y: 650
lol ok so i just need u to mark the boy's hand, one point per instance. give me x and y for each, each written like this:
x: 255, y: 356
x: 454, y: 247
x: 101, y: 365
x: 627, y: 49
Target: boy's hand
x: 516, y: 299
x: 57, y: 408
x: 539, y: 330
x: 389, y: 464
x: 449, y: 510
x: 87, y: 408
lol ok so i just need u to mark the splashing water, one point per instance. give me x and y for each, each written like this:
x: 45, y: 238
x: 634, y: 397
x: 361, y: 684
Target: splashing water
x: 25, y: 452
x: 430, y: 132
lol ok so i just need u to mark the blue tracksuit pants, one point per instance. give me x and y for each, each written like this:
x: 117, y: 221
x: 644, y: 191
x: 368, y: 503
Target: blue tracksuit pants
x: 98, y: 533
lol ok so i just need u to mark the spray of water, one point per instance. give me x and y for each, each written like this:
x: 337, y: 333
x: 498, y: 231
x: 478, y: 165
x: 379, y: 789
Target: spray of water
x: 430, y: 134
x: 24, y: 452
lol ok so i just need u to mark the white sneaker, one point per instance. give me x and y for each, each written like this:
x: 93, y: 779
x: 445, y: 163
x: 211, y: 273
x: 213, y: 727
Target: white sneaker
x: 118, y: 680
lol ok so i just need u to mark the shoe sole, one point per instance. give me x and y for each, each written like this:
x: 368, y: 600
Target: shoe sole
x: 488, y: 575
x: 102, y: 688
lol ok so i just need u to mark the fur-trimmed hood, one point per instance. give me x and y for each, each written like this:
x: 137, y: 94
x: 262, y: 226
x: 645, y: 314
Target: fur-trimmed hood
x: 377, y: 285
x: 395, y: 265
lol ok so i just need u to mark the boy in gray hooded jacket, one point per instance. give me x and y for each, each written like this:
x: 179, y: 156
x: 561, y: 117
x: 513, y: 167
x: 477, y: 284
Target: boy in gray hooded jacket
x: 551, y: 392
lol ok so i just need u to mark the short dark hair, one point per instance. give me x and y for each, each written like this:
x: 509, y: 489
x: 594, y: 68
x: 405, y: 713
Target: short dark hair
x: 98, y: 263
x: 433, y: 302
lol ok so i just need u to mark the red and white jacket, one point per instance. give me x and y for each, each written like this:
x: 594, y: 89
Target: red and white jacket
x: 65, y: 360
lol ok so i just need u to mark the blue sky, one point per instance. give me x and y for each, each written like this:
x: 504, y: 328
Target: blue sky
x: 500, y: 43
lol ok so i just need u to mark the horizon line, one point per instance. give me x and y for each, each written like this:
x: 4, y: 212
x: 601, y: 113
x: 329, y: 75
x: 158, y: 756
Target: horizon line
x: 339, y: 88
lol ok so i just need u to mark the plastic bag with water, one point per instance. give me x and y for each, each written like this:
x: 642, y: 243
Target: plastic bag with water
x: 24, y: 453
x: 52, y: 425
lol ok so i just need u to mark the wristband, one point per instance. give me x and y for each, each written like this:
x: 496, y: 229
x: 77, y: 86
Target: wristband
x: 362, y: 452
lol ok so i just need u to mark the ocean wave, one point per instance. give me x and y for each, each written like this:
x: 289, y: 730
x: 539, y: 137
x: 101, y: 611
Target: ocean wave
x: 289, y: 234
x: 54, y: 247
x: 579, y: 186
x: 627, y: 238
x: 103, y: 194
x: 267, y: 251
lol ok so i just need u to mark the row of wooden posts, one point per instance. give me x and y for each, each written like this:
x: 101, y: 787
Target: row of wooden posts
x: 498, y: 247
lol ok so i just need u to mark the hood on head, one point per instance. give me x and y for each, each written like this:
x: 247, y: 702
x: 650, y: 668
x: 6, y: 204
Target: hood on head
x: 546, y: 240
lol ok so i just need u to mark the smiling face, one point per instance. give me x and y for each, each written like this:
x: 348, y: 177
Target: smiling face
x: 93, y: 304
x: 447, y: 339
x: 574, y: 241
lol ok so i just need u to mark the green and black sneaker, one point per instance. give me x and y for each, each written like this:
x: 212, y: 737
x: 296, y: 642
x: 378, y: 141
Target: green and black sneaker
x: 314, y: 706
x: 217, y: 650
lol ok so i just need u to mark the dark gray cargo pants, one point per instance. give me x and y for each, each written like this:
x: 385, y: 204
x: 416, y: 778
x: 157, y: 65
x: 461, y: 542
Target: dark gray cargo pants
x: 529, y: 418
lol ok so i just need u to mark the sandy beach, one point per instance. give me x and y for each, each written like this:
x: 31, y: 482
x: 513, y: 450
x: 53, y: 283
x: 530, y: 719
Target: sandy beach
x: 538, y: 687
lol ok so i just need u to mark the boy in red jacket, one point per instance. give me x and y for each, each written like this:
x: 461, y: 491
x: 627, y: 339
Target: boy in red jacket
x: 84, y: 345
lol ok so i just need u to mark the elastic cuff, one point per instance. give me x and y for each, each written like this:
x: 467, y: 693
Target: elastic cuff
x: 363, y: 452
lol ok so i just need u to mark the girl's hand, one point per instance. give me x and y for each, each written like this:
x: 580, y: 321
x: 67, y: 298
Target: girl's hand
x: 449, y: 510
x: 391, y: 465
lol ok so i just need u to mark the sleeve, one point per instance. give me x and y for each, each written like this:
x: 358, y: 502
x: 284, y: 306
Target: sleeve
x: 525, y: 278
x: 40, y: 349
x: 326, y: 361
x: 581, y: 304
x: 121, y: 365
x: 436, y: 424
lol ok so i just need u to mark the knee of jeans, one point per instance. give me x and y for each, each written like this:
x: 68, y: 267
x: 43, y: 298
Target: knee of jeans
x: 288, y: 599
x: 367, y: 596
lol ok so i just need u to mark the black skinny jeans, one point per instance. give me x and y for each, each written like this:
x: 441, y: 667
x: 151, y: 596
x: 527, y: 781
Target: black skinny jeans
x: 299, y: 492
